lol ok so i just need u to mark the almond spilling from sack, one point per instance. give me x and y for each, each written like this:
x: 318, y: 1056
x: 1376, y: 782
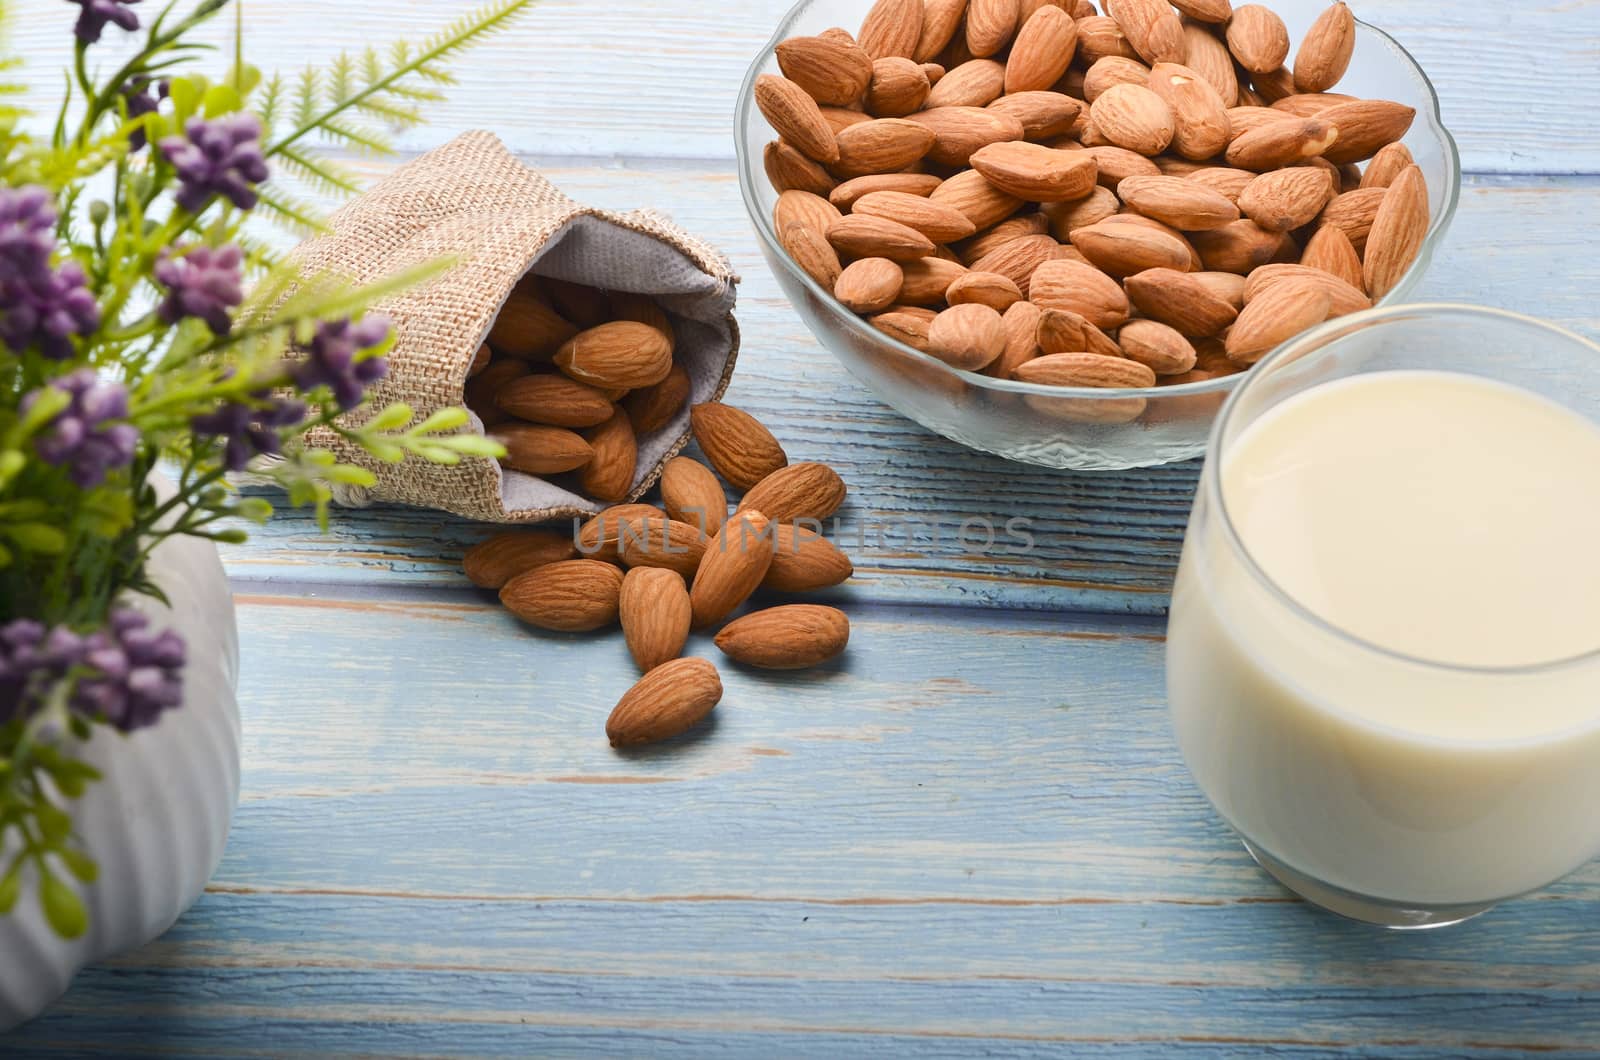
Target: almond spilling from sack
x: 692, y: 561
x: 1131, y: 170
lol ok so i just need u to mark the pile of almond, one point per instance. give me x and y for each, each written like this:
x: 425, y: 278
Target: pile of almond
x: 571, y: 376
x: 1035, y: 191
x: 687, y: 563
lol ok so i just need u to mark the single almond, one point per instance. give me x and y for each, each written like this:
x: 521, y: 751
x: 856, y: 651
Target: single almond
x: 659, y: 541
x: 925, y: 281
x: 668, y: 701
x: 1099, y: 36
x: 740, y: 449
x: 1119, y: 164
x: 654, y: 609
x: 892, y: 27
x: 1134, y: 117
x: 1343, y: 296
x: 1287, y: 198
x: 1021, y: 323
x: 1121, y: 250
x: 554, y: 400
x: 1036, y: 173
x: 735, y: 562
x: 1042, y: 114
x: 622, y: 354
x: 811, y: 251
x: 691, y: 494
x: 899, y: 87
x: 960, y: 131
x: 653, y: 408
x: 538, y: 450
x: 833, y: 72
x: 1325, y: 50
x: 1365, y: 126
x: 883, y: 145
x: 859, y: 235
x: 1157, y: 346
x: 1150, y: 223
x: 1042, y: 51
x: 1243, y: 119
x: 1081, y: 288
x: 1019, y: 259
x: 1281, y: 143
x: 907, y: 324
x: 1113, y: 70
x: 1386, y: 165
x: 1207, y: 55
x: 967, y: 336
x: 1086, y: 369
x: 1258, y: 38
x: 1201, y: 128
x: 787, y: 168
x: 972, y: 84
x: 986, y: 243
x: 852, y: 191
x: 1213, y: 11
x: 1184, y: 204
x: 869, y: 285
x: 983, y: 204
x: 1240, y: 247
x: 1398, y: 232
x: 527, y: 327
x: 940, y: 21
x: 804, y: 561
x: 1061, y: 331
x: 990, y: 25
x: 1228, y: 286
x: 790, y: 637
x: 1331, y: 251
x: 1225, y: 180
x: 600, y: 536
x: 492, y: 562
x: 941, y: 223
x: 571, y: 596
x: 799, y: 492
x: 1067, y: 217
x: 1275, y: 316
x: 803, y: 208
x: 984, y: 288
x: 1353, y: 212
x: 1181, y: 301
x: 1151, y: 27
x: 794, y: 115
x: 480, y: 360
x: 609, y: 474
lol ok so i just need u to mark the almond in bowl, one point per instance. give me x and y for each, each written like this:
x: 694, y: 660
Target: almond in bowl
x: 1145, y: 168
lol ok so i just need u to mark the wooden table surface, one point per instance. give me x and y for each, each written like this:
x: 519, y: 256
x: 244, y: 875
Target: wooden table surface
x: 972, y: 836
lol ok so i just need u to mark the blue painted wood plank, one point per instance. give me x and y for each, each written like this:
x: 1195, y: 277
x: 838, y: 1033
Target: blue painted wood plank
x: 658, y: 78
x: 1105, y: 542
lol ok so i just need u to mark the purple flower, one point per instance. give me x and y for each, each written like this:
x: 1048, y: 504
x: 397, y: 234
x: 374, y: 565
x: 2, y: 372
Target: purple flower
x: 138, y: 672
x: 31, y: 659
x: 39, y: 306
x: 251, y: 429
x: 142, y: 101
x: 203, y: 282
x: 218, y: 157
x: 96, y: 13
x: 334, y: 359
x: 81, y: 435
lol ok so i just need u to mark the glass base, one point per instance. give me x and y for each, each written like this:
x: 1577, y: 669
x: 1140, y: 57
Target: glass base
x: 1361, y: 908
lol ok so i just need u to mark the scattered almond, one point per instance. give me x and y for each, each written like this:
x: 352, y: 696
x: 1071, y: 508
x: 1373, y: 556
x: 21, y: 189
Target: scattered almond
x: 791, y: 637
x: 740, y: 449
x: 691, y: 494
x: 493, y: 562
x: 570, y: 596
x: 668, y: 701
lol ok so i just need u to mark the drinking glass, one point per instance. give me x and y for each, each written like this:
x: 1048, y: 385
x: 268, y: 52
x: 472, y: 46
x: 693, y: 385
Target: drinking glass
x: 1392, y: 826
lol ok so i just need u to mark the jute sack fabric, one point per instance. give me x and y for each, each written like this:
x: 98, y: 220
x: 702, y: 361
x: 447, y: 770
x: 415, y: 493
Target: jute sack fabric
x: 500, y: 220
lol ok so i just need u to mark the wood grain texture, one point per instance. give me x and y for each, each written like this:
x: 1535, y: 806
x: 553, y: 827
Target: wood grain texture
x: 577, y: 78
x: 1105, y: 542
x: 916, y: 852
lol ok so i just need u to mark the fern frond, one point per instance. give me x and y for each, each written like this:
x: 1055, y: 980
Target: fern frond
x: 71, y: 163
x: 357, y: 138
x: 417, y: 94
x: 341, y: 79
x: 323, y: 174
x: 437, y: 74
x: 271, y: 101
x: 288, y: 212
x: 372, y: 66
x: 398, y: 115
x: 308, y: 96
x: 261, y: 257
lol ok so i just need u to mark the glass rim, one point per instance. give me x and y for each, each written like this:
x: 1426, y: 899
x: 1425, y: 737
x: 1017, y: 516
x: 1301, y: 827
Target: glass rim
x: 1324, y: 337
x: 745, y: 157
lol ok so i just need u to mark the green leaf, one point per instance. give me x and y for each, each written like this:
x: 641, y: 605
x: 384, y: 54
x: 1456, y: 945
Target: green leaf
x: 255, y: 509
x: 392, y: 418
x: 62, y: 907
x: 219, y: 100
x: 10, y: 889
x: 475, y: 445
x: 186, y: 94
x: 351, y: 475
x: 438, y: 454
x: 12, y: 461
x: 444, y: 420
x: 55, y: 824
x: 80, y: 865
x: 40, y: 538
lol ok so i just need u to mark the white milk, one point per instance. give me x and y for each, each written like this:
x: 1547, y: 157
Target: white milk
x: 1445, y: 518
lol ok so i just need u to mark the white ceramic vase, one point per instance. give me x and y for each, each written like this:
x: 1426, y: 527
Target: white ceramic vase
x: 158, y: 821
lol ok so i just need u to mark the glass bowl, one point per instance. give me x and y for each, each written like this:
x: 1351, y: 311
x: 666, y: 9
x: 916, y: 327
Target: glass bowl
x: 1065, y: 427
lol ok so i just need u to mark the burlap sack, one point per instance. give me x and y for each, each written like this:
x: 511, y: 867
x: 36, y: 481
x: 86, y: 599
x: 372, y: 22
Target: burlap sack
x: 500, y: 220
